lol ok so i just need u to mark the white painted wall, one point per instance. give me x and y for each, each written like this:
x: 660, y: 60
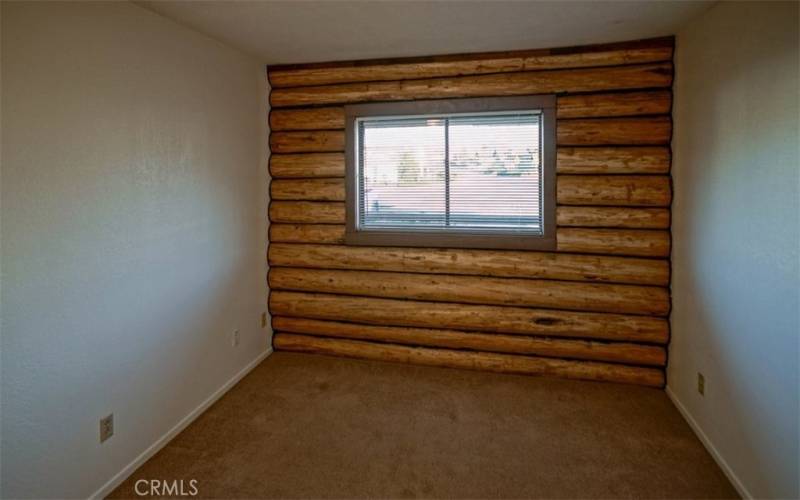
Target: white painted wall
x: 133, y: 234
x: 735, y: 231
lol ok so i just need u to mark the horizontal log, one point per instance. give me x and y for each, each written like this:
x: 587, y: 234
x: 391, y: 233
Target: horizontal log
x: 300, y: 212
x: 615, y: 352
x: 613, y: 160
x: 306, y: 233
x: 614, y: 190
x: 634, y: 242
x: 498, y: 263
x: 619, y: 131
x: 629, y: 218
x: 500, y: 319
x: 306, y: 165
x: 307, y: 189
x: 576, y: 132
x: 641, y: 76
x: 468, y: 64
x: 630, y: 242
x: 317, y: 141
x: 307, y: 119
x: 502, y: 363
x: 654, y: 102
x: 307, y: 212
x: 571, y: 106
x: 570, y: 295
x: 642, y: 190
x: 571, y: 160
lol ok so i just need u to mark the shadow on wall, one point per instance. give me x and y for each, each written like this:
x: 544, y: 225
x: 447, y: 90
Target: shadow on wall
x: 735, y: 263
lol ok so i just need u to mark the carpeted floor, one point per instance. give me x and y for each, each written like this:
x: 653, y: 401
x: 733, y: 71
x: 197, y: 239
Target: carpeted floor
x: 306, y: 426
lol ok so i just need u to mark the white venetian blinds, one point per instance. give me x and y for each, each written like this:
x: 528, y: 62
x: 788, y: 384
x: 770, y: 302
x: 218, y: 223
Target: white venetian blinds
x: 469, y: 173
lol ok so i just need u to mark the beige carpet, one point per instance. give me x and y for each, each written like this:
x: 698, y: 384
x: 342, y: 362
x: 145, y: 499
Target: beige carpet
x: 312, y: 426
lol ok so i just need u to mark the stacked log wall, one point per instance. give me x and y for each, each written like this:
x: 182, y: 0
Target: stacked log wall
x: 596, y: 307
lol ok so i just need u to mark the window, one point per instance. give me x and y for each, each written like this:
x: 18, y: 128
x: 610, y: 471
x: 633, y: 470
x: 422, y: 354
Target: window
x: 473, y: 173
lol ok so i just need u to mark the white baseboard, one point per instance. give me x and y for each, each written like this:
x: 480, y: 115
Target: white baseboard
x: 182, y: 424
x: 734, y: 479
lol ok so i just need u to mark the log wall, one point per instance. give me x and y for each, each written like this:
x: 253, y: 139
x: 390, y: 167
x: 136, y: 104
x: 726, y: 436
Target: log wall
x: 596, y: 308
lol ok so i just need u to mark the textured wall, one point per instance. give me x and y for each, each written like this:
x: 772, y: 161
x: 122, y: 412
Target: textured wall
x: 596, y: 308
x: 133, y: 188
x: 735, y: 260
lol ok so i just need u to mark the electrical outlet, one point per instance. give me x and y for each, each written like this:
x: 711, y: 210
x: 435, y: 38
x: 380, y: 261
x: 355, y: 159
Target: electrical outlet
x: 263, y: 320
x: 235, y: 338
x: 106, y: 427
x: 701, y: 384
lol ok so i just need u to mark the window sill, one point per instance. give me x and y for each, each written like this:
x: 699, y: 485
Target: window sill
x: 502, y: 241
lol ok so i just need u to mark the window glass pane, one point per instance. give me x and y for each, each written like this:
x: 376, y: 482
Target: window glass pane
x: 402, y: 173
x: 495, y: 172
x: 451, y: 173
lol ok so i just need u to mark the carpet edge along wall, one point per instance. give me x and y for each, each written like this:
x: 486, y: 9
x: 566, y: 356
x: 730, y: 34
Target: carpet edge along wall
x: 595, y: 308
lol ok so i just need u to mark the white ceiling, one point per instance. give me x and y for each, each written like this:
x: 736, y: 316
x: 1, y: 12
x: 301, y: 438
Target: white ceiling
x: 298, y: 31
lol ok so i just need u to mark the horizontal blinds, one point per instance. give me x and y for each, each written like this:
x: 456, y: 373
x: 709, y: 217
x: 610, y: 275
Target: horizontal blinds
x: 451, y: 173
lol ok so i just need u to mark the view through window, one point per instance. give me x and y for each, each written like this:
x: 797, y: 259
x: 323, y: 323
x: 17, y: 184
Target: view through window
x: 452, y: 173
